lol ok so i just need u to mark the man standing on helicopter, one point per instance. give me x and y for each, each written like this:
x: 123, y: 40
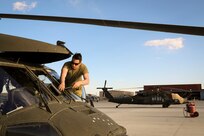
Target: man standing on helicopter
x: 72, y: 73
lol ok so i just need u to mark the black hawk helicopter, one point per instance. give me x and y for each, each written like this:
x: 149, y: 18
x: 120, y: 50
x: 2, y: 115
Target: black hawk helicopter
x: 152, y: 97
x: 30, y: 103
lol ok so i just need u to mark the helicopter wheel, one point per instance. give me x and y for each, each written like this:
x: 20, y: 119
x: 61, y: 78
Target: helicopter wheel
x: 117, y: 105
x: 166, y: 104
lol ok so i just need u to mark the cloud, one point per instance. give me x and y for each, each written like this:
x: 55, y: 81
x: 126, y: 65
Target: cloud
x: 170, y: 43
x: 23, y: 6
x: 74, y: 3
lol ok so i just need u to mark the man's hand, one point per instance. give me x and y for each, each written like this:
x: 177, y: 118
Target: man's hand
x: 77, y: 84
x: 61, y: 87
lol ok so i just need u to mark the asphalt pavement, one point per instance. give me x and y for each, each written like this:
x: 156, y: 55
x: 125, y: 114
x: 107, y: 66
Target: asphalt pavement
x: 153, y: 120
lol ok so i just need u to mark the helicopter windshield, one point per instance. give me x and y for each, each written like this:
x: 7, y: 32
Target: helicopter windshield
x: 17, y: 89
x: 56, y: 77
x: 51, y: 80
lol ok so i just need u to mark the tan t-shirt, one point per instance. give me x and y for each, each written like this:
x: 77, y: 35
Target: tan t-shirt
x: 74, y: 75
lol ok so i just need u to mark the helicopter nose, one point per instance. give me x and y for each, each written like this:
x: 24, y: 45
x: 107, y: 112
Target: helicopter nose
x: 89, y: 120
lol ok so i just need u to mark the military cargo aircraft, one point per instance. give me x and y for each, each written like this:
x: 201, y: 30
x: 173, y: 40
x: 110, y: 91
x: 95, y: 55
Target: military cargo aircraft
x: 31, y: 104
x: 152, y: 97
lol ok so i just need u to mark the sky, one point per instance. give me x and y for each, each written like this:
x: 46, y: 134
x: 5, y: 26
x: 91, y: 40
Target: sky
x: 127, y: 58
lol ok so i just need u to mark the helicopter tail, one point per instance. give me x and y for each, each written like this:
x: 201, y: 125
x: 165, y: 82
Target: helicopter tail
x: 105, y: 91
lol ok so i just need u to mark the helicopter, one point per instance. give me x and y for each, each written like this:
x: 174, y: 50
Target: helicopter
x: 31, y: 104
x: 152, y: 97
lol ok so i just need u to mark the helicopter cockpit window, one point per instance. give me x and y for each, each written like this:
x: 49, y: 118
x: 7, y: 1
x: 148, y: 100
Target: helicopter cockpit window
x: 52, y: 85
x: 48, y: 82
x: 44, y: 79
x: 17, y: 89
x: 54, y: 74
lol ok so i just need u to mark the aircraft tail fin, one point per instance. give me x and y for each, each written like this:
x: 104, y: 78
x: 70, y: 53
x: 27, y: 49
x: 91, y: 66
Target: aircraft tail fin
x: 105, y: 91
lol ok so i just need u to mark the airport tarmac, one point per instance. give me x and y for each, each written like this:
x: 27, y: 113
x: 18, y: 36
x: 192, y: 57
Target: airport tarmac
x: 153, y: 120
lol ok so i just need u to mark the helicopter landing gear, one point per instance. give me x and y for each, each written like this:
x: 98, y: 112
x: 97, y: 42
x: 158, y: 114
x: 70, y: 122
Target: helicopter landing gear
x: 91, y: 103
x: 117, y: 105
x: 165, y: 105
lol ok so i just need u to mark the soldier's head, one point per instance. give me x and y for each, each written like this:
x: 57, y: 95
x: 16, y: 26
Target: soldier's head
x: 76, y: 60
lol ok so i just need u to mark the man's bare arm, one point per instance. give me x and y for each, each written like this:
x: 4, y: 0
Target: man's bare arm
x: 86, y: 79
x: 83, y: 82
x: 62, y: 78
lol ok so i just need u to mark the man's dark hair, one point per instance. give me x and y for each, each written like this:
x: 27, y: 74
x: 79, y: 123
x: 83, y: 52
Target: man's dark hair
x: 77, y: 56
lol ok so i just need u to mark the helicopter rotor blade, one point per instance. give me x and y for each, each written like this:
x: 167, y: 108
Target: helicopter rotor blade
x: 105, y: 84
x: 192, y: 30
x: 104, y: 87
